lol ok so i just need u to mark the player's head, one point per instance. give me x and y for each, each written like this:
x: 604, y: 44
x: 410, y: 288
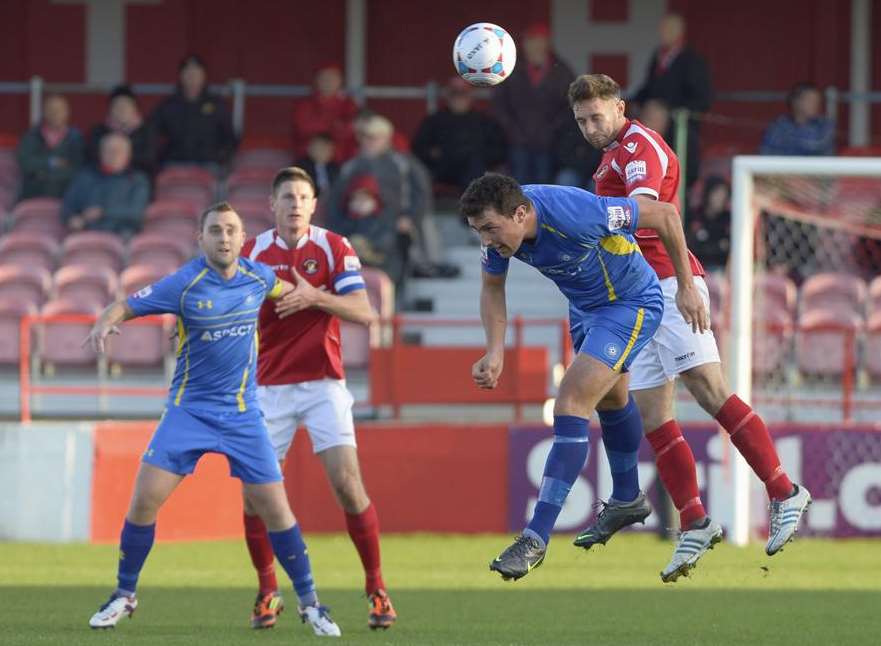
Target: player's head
x: 596, y: 103
x: 494, y: 205
x: 292, y: 202
x: 221, y: 235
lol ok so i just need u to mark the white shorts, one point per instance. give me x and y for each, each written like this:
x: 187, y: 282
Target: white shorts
x: 674, y: 348
x: 323, y: 406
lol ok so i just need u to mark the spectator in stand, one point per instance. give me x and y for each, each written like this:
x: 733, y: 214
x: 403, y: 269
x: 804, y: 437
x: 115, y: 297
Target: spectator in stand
x: 458, y: 143
x: 111, y: 196
x: 319, y: 162
x: 655, y: 114
x: 678, y: 76
x: 124, y: 116
x: 805, y: 130
x: 709, y: 228
x: 575, y: 160
x: 329, y: 110
x: 194, y: 125
x: 532, y: 106
x: 50, y: 154
x: 387, y: 232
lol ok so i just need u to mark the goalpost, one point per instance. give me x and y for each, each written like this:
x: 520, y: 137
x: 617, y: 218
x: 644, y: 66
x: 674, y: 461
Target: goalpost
x: 794, y: 218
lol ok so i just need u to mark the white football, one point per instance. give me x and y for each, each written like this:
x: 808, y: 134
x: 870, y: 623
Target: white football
x: 484, y: 54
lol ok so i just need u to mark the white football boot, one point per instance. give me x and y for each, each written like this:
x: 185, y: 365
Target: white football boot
x: 785, y: 518
x: 319, y: 618
x: 692, y: 544
x: 116, y: 607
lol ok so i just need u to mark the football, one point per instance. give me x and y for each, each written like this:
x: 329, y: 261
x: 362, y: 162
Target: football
x: 484, y: 54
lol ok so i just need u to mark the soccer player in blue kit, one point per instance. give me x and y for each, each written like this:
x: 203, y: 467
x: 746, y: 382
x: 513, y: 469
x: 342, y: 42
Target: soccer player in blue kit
x: 584, y: 243
x: 211, y: 407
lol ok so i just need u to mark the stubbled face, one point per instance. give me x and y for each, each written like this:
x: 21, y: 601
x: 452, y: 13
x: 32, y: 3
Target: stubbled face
x: 221, y: 238
x: 503, y: 233
x: 600, y: 120
x: 293, y: 205
x: 56, y: 112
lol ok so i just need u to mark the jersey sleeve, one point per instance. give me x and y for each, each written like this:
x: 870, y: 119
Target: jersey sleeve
x: 162, y: 297
x: 643, y: 165
x: 346, y: 276
x: 492, y: 262
x: 605, y: 216
x: 273, y: 283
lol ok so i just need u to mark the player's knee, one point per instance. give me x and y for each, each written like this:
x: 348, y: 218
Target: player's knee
x: 615, y: 399
x: 143, y: 509
x: 708, y: 387
x: 349, y: 490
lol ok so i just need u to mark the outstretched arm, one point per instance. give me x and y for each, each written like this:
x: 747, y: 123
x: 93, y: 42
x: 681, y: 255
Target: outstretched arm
x: 107, y: 323
x: 664, y: 218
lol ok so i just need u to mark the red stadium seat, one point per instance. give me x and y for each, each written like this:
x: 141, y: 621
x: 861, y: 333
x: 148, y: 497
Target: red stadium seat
x: 141, y: 345
x: 358, y: 339
x: 136, y: 277
x: 186, y: 182
x: 60, y: 342
x: 772, y: 339
x: 24, y: 283
x: 28, y: 248
x: 264, y: 158
x: 773, y: 291
x: 178, y: 218
x: 42, y: 214
x: 86, y: 285
x: 159, y: 250
x: 256, y: 215
x: 844, y: 292
x: 93, y: 248
x: 11, y: 312
x: 872, y: 349
x: 821, y: 344
x: 250, y: 183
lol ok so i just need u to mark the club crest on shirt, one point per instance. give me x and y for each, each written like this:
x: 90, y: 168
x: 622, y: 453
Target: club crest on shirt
x: 612, y: 350
x: 310, y: 266
x: 619, y: 217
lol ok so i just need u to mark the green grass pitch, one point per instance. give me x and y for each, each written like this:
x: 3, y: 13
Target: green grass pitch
x: 815, y: 592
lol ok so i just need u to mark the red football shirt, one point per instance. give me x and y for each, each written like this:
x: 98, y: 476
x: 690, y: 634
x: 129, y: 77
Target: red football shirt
x: 639, y: 162
x: 304, y: 346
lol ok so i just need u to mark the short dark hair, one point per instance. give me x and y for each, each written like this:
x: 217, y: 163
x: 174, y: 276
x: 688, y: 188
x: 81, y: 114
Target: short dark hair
x: 593, y: 86
x: 500, y: 192
x: 292, y: 174
x: 798, y: 90
x: 219, y: 207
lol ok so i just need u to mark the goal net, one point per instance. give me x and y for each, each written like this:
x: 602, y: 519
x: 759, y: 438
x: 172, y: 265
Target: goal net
x: 801, y: 300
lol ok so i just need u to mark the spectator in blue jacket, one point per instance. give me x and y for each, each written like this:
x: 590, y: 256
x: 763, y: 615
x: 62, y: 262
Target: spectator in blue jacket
x: 111, y: 196
x: 804, y: 131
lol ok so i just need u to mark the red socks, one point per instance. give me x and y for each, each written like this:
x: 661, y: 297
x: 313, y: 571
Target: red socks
x: 750, y: 435
x: 261, y: 553
x: 676, y: 468
x: 364, y: 531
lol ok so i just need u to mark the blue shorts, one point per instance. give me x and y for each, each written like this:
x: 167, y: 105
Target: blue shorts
x: 185, y: 435
x: 615, y: 333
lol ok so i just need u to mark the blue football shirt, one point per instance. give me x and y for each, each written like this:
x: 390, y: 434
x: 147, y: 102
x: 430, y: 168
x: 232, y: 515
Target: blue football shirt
x: 585, y: 244
x: 216, y: 331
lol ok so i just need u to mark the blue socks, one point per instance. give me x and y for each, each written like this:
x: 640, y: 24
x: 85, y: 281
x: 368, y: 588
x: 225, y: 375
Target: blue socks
x: 290, y: 550
x: 565, y: 461
x: 622, y: 433
x: 135, y: 542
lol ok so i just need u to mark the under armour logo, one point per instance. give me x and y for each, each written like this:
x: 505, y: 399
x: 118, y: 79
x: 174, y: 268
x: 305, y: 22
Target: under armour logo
x: 204, y: 305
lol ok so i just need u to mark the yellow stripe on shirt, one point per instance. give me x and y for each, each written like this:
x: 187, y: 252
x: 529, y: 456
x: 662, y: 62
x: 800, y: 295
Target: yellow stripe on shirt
x: 183, y: 338
x: 619, y: 245
x: 608, y: 281
x: 637, y: 327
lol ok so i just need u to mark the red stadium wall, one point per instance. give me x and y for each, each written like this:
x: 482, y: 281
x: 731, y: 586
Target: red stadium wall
x: 750, y: 45
x: 422, y: 478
